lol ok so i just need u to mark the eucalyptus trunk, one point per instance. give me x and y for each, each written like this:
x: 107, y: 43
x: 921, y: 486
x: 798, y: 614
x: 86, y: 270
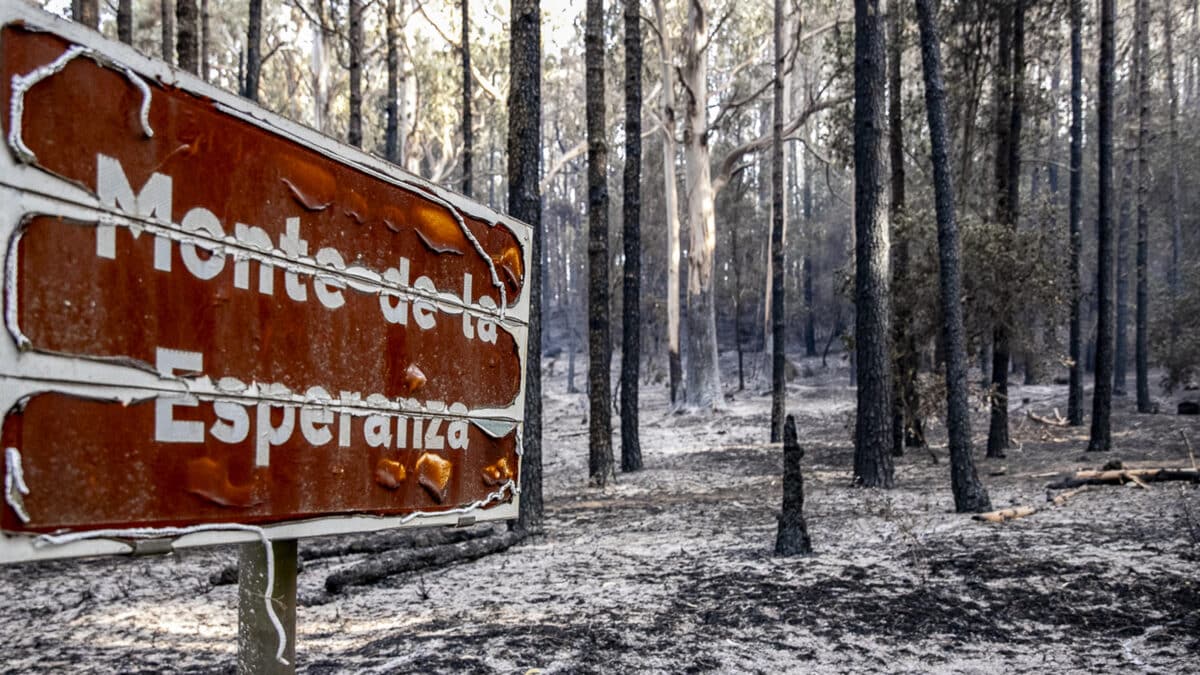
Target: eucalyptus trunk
x: 187, y: 18
x: 778, y: 337
x: 670, y: 202
x: 467, y: 132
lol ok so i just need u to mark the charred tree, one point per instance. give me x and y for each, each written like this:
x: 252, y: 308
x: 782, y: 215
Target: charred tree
x: 1173, y: 285
x: 969, y: 494
x: 810, y: 319
x: 205, y: 39
x: 253, y: 50
x: 125, y: 21
x: 354, y: 135
x: 1010, y: 81
x: 873, y: 424
x: 391, y: 137
x: 86, y: 12
x: 525, y: 203
x: 1101, y: 431
x: 600, y: 455
x: 778, y: 337
x: 906, y: 422
x: 168, y: 31
x: 792, y: 536
x: 631, y: 215
x: 1075, y: 216
x: 187, y: 45
x: 1142, y: 319
x: 467, y: 132
x: 1128, y: 195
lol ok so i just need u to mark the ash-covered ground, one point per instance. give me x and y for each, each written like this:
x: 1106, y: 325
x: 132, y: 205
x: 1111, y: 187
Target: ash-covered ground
x: 670, y: 569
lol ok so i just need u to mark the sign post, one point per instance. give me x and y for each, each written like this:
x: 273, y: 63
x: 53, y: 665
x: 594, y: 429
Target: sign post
x: 223, y: 327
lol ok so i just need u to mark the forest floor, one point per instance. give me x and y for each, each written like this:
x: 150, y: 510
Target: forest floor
x: 670, y: 569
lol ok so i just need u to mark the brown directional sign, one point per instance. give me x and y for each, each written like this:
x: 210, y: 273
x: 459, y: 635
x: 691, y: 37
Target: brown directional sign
x: 217, y: 316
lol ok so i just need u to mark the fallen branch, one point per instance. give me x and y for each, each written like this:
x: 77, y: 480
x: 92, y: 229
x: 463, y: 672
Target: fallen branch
x: 1122, y: 476
x: 1015, y: 512
x: 400, y: 562
x: 1058, y: 421
x: 1191, y: 454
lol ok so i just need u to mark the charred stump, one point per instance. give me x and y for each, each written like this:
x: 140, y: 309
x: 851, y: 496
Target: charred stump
x: 792, y: 538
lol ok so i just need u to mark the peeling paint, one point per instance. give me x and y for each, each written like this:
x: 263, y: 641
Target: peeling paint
x: 14, y: 483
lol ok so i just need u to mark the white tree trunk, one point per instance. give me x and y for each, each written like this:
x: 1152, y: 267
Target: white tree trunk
x: 670, y: 196
x: 703, y: 379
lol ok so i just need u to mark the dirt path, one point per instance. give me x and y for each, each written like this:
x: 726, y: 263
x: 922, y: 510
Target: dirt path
x: 669, y: 569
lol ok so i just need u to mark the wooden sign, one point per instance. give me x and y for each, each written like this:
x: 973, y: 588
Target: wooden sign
x: 215, y: 316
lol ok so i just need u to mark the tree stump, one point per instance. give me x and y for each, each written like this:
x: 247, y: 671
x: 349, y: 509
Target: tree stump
x: 792, y: 538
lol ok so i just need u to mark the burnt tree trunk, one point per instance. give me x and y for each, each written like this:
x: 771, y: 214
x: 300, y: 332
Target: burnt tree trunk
x: 873, y: 424
x: 778, y: 336
x: 1173, y: 285
x: 810, y: 319
x: 205, y: 39
x: 969, y: 493
x: 86, y: 12
x: 125, y: 21
x: 1075, y: 216
x: 187, y: 35
x: 354, y: 135
x: 525, y: 203
x: 1101, y: 431
x: 253, y: 50
x: 1142, y: 319
x: 1125, y: 222
x: 1011, y: 79
x: 631, y: 214
x: 168, y: 31
x: 391, y: 138
x: 792, y: 536
x: 468, y: 134
x: 600, y: 455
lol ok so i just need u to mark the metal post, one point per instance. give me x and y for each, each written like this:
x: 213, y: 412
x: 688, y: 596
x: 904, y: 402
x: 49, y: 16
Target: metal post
x: 258, y: 639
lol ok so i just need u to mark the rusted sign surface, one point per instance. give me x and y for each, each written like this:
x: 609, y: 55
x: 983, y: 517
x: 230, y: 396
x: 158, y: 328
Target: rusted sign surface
x: 217, y: 316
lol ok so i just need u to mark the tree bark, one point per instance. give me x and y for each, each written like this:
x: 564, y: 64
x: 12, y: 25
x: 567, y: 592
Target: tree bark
x: 205, y: 39
x: 600, y: 455
x: 1142, y: 319
x: 778, y: 337
x: 391, y: 138
x: 873, y: 425
x: 187, y: 34
x: 1011, y: 78
x: 1128, y: 197
x: 1075, y: 215
x: 810, y: 319
x: 1173, y: 285
x: 703, y: 377
x: 168, y: 31
x: 1101, y: 431
x: 969, y: 493
x: 631, y: 214
x: 388, y: 564
x: 125, y: 21
x: 253, y: 50
x: 670, y: 202
x: 468, y: 134
x: 86, y: 12
x: 354, y: 134
x: 792, y: 536
x: 525, y: 203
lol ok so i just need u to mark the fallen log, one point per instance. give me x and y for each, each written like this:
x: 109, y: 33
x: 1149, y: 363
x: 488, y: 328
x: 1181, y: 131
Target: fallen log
x: 1122, y: 476
x: 1015, y: 512
x: 1057, y: 421
x: 400, y: 562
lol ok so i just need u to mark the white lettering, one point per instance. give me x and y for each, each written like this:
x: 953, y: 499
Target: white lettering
x: 254, y: 237
x: 201, y: 219
x: 269, y: 435
x: 114, y: 191
x: 233, y: 423
x: 167, y: 429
